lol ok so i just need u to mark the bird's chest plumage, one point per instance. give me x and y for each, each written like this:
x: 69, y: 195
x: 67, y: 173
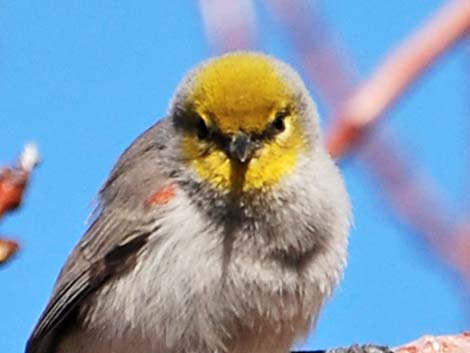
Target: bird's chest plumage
x: 202, y: 283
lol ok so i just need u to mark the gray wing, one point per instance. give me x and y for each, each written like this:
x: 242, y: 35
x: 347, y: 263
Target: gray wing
x: 113, y: 241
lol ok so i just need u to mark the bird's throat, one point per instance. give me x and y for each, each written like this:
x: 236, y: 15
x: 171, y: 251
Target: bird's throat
x: 263, y: 172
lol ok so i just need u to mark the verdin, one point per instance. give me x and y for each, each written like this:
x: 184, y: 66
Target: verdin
x: 222, y: 228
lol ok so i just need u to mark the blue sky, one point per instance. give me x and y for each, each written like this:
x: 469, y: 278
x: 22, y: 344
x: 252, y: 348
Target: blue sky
x: 82, y: 79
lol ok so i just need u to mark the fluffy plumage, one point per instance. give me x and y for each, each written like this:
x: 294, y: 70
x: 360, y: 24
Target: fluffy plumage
x: 219, y: 266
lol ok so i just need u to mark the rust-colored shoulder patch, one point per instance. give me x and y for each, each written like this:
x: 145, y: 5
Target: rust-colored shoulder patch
x: 163, y: 195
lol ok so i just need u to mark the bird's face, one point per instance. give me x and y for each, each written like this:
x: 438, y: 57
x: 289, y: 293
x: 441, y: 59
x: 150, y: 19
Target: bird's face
x: 241, y: 123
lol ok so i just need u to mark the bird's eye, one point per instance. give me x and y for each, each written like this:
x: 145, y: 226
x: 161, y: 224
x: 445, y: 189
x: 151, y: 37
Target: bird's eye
x: 279, y: 121
x: 202, y: 129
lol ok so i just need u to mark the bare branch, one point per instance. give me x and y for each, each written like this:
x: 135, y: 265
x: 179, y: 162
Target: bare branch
x: 7, y: 249
x: 230, y: 25
x: 395, y: 75
x: 438, y: 344
x: 13, y: 182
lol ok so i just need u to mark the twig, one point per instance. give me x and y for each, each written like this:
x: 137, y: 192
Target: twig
x: 230, y: 25
x: 396, y: 74
x: 7, y: 249
x: 427, y: 344
x: 13, y: 182
x: 438, y: 344
x: 419, y: 202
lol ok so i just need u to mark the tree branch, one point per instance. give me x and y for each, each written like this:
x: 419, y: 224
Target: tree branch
x: 13, y: 182
x: 396, y: 74
x: 426, y: 344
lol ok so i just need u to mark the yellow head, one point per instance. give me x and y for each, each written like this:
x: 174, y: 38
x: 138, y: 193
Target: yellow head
x: 242, y: 119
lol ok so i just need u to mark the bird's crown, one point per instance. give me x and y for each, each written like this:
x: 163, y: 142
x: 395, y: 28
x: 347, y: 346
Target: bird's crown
x: 240, y: 92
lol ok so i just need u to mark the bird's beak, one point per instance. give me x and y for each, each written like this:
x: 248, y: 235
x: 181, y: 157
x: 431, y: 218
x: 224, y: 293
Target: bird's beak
x: 241, y: 147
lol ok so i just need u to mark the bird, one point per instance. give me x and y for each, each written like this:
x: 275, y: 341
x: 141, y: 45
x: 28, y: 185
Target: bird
x: 223, y: 228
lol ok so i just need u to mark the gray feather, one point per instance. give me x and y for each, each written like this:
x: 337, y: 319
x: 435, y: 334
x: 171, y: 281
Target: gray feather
x: 114, y: 237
